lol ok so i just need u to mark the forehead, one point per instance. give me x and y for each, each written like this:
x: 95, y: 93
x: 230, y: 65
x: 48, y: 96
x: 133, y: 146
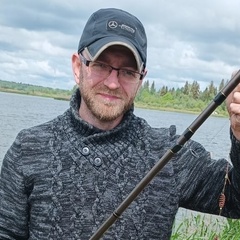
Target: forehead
x: 120, y: 52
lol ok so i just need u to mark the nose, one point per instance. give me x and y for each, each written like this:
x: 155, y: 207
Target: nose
x: 112, y: 81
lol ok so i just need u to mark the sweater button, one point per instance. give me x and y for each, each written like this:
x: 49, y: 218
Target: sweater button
x: 85, y: 151
x: 97, y: 162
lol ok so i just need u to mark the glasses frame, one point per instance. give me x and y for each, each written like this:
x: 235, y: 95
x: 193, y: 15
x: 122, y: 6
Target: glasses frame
x: 87, y: 63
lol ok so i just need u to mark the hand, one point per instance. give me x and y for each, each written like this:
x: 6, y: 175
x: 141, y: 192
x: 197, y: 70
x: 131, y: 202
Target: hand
x: 233, y: 107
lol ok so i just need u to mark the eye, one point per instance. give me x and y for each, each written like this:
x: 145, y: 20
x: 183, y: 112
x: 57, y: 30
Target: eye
x: 128, y: 73
x: 100, y: 66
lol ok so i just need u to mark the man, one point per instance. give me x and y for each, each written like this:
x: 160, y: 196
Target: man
x: 63, y: 179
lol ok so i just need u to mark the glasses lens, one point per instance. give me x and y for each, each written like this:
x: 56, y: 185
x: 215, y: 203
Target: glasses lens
x: 128, y: 75
x: 100, y: 69
x: 104, y: 70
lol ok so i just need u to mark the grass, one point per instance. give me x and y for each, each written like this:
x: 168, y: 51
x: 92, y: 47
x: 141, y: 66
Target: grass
x: 205, y: 227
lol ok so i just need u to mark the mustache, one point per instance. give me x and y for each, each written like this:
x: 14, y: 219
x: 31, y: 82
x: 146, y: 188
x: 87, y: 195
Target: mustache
x: 117, y: 92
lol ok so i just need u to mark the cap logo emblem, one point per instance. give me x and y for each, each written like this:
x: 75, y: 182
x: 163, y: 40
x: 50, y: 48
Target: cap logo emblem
x: 121, y: 28
x: 113, y: 24
x: 127, y: 28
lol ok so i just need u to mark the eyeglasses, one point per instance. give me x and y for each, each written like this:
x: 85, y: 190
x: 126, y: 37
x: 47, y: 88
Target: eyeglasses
x: 104, y: 70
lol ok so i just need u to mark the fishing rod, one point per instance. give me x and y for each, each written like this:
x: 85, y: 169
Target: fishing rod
x: 187, y: 134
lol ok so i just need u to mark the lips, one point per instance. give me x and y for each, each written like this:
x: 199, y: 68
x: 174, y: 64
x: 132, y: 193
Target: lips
x: 109, y: 96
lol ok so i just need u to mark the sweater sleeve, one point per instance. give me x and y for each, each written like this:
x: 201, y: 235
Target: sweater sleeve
x: 13, y: 204
x: 235, y: 158
x: 233, y: 188
x: 201, y: 180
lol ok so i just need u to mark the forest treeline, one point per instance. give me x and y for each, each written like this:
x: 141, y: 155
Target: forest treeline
x: 29, y: 89
x: 189, y: 98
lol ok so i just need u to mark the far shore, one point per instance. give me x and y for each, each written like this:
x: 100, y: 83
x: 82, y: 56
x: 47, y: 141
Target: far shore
x: 137, y: 104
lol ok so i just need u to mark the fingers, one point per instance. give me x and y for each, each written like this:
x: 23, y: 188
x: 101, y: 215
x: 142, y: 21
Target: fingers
x: 235, y: 125
x: 233, y: 99
x: 233, y: 107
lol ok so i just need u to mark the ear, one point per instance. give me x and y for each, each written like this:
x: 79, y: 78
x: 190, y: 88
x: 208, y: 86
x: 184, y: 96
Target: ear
x: 76, y: 64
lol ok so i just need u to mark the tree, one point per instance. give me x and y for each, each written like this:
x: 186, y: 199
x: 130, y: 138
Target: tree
x: 195, y: 90
x: 222, y: 84
x: 186, y: 88
x: 163, y: 91
x: 146, y: 85
x: 205, y: 94
x: 152, y: 89
x: 212, y: 90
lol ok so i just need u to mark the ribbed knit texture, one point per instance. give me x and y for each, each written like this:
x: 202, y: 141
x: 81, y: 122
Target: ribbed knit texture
x: 63, y: 179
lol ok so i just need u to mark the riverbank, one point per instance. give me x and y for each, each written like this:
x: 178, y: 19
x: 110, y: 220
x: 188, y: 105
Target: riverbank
x: 38, y: 94
x: 143, y: 106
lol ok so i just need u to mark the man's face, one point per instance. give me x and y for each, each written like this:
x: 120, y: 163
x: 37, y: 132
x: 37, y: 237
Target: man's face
x: 107, y: 99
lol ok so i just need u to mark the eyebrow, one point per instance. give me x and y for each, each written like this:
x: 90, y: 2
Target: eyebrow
x: 127, y: 63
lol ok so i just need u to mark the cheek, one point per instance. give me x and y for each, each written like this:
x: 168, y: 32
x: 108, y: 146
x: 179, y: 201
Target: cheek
x: 127, y: 94
x: 130, y: 90
x: 84, y: 78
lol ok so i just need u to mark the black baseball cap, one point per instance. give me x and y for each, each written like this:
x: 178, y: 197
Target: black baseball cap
x: 111, y: 26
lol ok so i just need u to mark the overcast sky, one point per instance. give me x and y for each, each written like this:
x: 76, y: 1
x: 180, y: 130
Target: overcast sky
x: 187, y: 40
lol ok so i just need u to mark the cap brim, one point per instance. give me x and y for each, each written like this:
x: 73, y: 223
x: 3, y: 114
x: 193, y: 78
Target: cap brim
x: 96, y: 48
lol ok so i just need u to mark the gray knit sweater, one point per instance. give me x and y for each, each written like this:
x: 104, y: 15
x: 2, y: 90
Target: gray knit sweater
x: 63, y: 179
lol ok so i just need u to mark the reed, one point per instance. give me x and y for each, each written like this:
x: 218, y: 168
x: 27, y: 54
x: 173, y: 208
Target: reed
x: 206, y: 227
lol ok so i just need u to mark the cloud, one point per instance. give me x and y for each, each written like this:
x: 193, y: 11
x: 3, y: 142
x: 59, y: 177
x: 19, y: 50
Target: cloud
x: 187, y: 40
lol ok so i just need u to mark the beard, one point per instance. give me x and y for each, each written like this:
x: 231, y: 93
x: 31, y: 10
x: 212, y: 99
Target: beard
x: 104, y: 110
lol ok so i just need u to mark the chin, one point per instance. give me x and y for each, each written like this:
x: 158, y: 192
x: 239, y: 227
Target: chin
x: 109, y: 113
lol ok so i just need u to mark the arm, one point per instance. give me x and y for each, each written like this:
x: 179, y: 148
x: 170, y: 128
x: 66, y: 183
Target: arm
x: 202, y: 179
x: 13, y: 205
x: 233, y: 188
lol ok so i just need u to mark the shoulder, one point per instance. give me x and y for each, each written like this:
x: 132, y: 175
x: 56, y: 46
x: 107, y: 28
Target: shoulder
x: 145, y: 126
x: 157, y: 138
x: 156, y: 134
x: 39, y: 134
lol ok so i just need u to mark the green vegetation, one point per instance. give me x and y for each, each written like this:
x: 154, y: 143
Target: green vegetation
x: 23, y: 88
x: 204, y: 226
x: 186, y: 99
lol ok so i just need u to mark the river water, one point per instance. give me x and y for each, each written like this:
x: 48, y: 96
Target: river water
x: 22, y: 111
